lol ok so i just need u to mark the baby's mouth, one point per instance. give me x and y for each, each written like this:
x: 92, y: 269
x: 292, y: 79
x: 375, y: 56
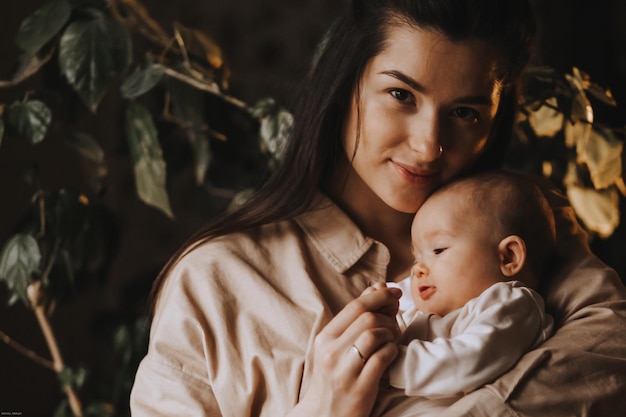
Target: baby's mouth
x: 426, y: 291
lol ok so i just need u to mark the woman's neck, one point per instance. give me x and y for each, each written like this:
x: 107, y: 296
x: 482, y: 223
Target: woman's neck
x: 376, y: 220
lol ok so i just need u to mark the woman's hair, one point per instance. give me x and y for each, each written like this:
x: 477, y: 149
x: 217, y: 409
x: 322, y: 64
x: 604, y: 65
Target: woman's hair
x: 322, y: 102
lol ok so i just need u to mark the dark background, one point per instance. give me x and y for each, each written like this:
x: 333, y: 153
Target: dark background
x: 268, y: 45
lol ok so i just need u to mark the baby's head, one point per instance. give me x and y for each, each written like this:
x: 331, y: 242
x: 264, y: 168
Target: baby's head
x: 474, y: 232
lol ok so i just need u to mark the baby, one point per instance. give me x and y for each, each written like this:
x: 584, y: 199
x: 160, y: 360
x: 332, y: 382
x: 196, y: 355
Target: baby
x: 480, y: 245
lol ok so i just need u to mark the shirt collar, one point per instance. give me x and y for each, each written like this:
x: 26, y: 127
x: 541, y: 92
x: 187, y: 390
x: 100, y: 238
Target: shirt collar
x: 336, y: 236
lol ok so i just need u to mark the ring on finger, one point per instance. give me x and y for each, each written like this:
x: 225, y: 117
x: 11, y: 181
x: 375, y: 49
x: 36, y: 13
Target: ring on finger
x: 358, y: 352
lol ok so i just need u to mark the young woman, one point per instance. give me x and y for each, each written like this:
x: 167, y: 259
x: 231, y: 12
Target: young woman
x: 256, y: 315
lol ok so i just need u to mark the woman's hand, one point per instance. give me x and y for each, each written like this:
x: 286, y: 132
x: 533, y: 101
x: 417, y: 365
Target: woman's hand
x: 350, y: 355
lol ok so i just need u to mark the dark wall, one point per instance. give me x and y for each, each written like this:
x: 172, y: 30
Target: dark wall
x: 268, y: 45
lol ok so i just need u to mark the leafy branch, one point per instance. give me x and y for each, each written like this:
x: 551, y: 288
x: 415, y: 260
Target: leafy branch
x: 101, y: 47
x: 558, y: 137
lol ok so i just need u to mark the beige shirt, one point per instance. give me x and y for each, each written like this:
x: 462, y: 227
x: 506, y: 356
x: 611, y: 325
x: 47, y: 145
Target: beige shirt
x: 236, y: 320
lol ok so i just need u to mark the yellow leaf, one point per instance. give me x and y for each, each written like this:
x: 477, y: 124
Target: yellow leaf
x: 576, y: 133
x: 598, y: 210
x: 602, y: 153
x: 547, y: 120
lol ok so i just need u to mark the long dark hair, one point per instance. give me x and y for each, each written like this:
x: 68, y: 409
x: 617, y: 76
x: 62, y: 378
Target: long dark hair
x: 321, y: 104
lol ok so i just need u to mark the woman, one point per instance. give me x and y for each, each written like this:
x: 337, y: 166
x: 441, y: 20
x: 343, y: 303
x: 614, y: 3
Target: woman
x: 254, y: 316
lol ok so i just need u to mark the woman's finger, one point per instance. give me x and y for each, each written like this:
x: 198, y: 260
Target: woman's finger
x: 372, y: 302
x: 357, y: 354
x: 377, y: 364
x: 367, y: 322
x: 370, y: 341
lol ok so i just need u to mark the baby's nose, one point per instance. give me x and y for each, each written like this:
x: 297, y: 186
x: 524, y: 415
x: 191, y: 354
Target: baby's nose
x: 420, y: 270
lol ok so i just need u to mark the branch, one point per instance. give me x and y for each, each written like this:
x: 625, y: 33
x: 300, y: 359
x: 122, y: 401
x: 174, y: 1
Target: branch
x: 26, y: 352
x: 206, y: 88
x: 35, y: 297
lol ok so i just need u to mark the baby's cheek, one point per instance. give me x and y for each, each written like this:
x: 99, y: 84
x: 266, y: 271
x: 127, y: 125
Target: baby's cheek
x: 415, y: 292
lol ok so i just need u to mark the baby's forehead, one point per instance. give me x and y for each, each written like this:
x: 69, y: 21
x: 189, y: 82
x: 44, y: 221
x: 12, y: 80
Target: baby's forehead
x: 453, y: 201
x: 448, y: 213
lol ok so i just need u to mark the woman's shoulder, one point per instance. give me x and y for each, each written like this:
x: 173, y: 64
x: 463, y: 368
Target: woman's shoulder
x: 260, y: 240
x: 222, y: 265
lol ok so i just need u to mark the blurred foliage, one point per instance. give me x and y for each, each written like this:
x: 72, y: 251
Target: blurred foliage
x: 83, y: 51
x: 174, y: 84
x: 557, y: 136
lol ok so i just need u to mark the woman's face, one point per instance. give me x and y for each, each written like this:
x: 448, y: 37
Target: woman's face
x: 426, y: 109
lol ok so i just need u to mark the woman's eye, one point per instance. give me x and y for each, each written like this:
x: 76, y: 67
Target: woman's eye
x: 438, y: 250
x: 401, y: 95
x: 466, y: 113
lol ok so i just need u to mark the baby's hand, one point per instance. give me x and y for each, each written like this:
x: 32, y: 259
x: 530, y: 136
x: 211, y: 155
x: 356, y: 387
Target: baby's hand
x: 375, y: 286
x: 389, y: 310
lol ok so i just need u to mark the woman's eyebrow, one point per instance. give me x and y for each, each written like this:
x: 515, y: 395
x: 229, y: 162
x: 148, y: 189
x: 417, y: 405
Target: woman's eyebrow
x: 405, y: 79
x: 476, y: 100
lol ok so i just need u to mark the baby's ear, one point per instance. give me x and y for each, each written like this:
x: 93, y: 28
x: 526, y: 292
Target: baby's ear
x: 512, y: 251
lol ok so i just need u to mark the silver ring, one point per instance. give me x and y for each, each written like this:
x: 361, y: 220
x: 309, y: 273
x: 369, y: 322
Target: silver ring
x: 358, y: 352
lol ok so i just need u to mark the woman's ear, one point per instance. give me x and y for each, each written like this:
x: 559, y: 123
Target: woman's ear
x: 512, y: 251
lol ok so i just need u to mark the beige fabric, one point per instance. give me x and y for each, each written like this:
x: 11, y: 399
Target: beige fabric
x: 237, y: 317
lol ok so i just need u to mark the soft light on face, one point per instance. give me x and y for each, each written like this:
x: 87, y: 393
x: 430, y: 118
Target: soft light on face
x: 456, y: 254
x: 425, y: 107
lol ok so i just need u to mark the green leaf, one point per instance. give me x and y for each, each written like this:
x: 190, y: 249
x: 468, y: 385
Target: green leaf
x: 87, y: 147
x: 240, y: 198
x: 63, y: 410
x: 19, y: 259
x: 602, y: 153
x: 30, y: 120
x: 142, y: 81
x: 73, y: 377
x: 189, y: 107
x: 67, y: 215
x: 275, y: 129
x: 41, y: 26
x: 29, y: 65
x: 99, y: 410
x: 147, y: 157
x: 264, y: 107
x: 96, y: 167
x: 92, y: 53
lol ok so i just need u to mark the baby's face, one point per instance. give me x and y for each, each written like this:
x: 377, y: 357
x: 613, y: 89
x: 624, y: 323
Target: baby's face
x: 456, y: 254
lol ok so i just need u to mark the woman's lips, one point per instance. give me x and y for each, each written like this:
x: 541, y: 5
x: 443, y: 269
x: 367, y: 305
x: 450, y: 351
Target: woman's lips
x: 413, y: 175
x: 426, y: 291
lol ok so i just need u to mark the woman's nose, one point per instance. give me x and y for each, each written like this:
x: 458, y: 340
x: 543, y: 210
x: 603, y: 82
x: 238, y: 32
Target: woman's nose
x: 425, y: 137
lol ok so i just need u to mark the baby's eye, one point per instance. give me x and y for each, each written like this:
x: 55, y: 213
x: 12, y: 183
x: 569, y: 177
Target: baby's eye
x: 438, y: 250
x: 466, y: 113
x: 401, y: 95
